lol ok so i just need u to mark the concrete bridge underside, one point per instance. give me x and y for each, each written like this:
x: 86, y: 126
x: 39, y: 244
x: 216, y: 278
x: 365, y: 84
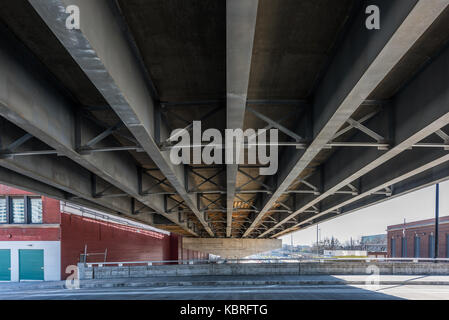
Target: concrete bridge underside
x: 363, y: 115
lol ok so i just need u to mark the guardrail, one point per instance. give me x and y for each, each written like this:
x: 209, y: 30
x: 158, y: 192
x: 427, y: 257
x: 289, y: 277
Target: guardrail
x: 148, y: 263
x: 267, y: 260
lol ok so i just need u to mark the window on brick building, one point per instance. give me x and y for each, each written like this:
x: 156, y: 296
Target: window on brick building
x: 35, y: 208
x: 393, y: 247
x: 417, y: 246
x: 3, y: 211
x: 431, y: 246
x: 404, y: 247
x: 20, y: 210
x: 447, y: 246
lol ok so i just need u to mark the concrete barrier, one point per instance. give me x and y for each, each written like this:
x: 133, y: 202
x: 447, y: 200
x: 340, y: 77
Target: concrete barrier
x: 361, y: 267
x: 231, y: 248
x: 265, y: 269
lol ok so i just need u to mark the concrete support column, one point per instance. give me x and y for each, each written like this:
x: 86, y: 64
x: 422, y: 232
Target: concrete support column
x: 230, y: 248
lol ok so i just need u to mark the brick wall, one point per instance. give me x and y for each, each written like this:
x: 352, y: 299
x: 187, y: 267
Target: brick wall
x: 50, y: 215
x: 10, y: 191
x: 51, y: 211
x: 29, y: 234
x: 123, y: 243
x: 423, y: 229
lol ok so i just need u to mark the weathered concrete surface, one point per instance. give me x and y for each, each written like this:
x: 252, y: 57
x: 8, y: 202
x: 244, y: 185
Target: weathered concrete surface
x: 358, y: 267
x: 311, y: 56
x: 238, y: 292
x: 265, y: 269
x: 229, y: 281
x: 231, y: 248
x: 240, y: 27
x: 103, y: 53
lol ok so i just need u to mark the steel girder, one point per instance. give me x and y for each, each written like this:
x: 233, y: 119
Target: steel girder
x: 418, y: 111
x: 103, y: 53
x: 59, y: 178
x: 364, y: 59
x: 240, y: 29
x: 416, y: 181
x: 31, y: 102
x: 17, y: 180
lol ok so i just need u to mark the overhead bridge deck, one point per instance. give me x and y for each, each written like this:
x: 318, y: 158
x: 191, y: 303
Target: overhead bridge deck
x: 362, y: 114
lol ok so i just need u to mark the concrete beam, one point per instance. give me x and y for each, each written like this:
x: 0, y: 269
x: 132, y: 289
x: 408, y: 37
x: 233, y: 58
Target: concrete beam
x: 365, y: 58
x: 102, y: 51
x: 241, y: 19
x: 62, y: 174
x: 231, y: 248
x: 31, y: 102
x: 419, y: 110
x: 17, y: 180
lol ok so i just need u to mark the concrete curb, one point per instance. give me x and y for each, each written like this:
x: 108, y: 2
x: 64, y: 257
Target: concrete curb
x: 264, y: 270
x: 251, y: 283
x: 146, y: 283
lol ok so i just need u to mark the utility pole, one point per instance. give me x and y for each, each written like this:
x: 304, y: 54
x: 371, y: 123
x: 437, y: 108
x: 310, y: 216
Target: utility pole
x: 317, y: 247
x: 291, y: 243
x: 437, y: 213
x: 403, y: 229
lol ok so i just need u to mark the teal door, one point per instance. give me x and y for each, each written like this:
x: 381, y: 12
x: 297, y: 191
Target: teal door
x: 5, y: 265
x: 31, y: 264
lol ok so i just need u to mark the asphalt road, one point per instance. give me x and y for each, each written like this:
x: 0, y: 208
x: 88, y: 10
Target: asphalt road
x: 316, y: 292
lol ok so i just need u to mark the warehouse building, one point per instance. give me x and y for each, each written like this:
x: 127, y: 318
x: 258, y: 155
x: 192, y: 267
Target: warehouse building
x: 417, y: 239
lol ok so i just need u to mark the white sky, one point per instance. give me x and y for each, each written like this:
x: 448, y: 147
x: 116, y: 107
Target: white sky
x: 414, y: 206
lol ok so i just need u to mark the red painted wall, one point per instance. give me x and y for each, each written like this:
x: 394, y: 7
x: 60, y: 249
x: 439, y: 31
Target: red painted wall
x: 50, y: 207
x: 122, y: 242
x: 29, y: 234
x: 51, y: 211
x: 10, y: 191
x: 187, y: 254
x: 51, y: 215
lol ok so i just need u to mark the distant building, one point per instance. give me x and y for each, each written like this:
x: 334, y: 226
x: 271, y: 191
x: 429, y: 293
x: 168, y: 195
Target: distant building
x: 374, y: 243
x: 417, y: 239
x: 345, y: 253
x: 377, y: 254
x: 304, y: 248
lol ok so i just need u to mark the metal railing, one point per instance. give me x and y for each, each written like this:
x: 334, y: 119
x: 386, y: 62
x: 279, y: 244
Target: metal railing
x: 266, y: 260
x: 84, y: 256
x: 148, y: 263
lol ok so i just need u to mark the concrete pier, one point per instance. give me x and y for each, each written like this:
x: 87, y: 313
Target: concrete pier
x: 231, y: 248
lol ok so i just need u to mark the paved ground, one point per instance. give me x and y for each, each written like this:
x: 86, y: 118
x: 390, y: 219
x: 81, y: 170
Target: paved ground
x: 220, y: 281
x: 238, y: 288
x: 318, y: 292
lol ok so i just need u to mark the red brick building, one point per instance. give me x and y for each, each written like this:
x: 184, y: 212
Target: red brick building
x: 417, y: 239
x: 40, y: 237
